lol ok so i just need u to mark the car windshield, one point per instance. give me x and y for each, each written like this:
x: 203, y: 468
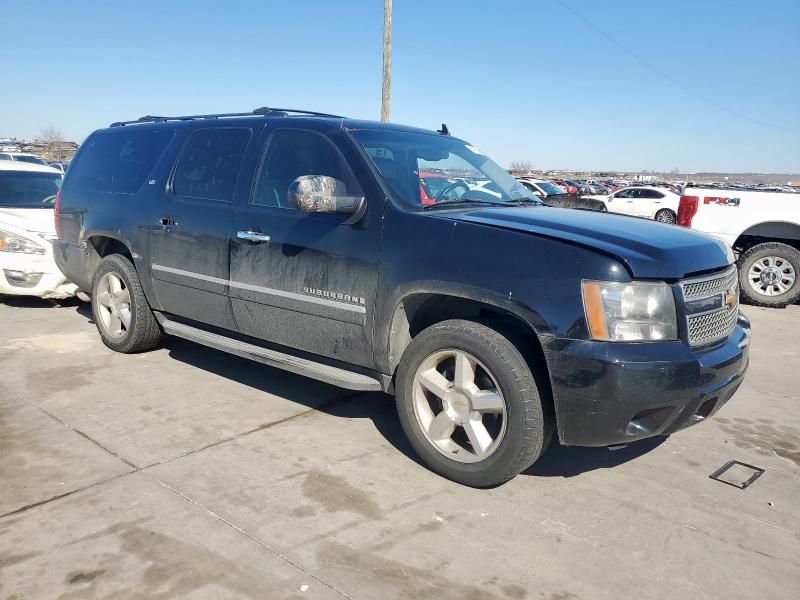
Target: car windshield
x: 551, y: 189
x: 30, y: 159
x: 446, y: 169
x: 19, y: 189
x: 434, y: 184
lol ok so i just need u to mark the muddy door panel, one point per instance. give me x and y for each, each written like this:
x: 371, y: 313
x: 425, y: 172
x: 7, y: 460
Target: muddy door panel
x: 190, y: 243
x: 310, y: 286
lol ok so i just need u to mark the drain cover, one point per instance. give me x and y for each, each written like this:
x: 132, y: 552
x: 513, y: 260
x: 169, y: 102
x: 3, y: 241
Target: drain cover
x: 737, y: 474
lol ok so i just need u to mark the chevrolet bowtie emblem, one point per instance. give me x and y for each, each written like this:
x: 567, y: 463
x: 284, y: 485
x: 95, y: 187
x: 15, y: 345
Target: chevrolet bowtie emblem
x: 730, y: 298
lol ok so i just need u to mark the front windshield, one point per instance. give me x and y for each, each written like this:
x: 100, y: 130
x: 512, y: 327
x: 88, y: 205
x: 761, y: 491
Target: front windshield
x: 20, y: 189
x: 425, y: 169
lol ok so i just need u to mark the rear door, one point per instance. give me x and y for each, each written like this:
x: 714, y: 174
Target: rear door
x: 189, y: 248
x: 305, y: 280
x: 648, y: 203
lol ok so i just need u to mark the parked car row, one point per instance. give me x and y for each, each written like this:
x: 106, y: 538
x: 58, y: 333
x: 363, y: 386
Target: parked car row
x: 35, y: 159
x: 556, y: 195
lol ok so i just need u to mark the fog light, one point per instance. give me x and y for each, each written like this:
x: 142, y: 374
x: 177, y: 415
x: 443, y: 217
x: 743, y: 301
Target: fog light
x: 21, y: 278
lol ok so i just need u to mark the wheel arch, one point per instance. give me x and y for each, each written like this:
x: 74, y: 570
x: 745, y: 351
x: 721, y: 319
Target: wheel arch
x: 98, y: 246
x: 102, y: 244
x: 418, y: 310
x: 769, y: 231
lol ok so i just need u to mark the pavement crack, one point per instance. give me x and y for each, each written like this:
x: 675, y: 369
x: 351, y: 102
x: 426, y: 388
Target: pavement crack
x: 89, y: 438
x: 32, y: 505
x: 241, y: 531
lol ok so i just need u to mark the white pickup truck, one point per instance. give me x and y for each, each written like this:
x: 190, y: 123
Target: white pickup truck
x: 764, y: 230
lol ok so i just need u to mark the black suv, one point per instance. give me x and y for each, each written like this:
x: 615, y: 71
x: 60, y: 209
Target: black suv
x: 302, y: 241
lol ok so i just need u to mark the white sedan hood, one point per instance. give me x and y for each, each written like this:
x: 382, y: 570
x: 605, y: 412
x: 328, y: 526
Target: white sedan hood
x: 36, y: 220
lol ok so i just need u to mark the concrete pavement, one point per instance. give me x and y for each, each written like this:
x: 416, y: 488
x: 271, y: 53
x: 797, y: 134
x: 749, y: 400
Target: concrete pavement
x: 188, y: 473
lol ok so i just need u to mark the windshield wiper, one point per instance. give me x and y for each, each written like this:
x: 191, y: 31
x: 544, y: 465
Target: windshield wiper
x: 518, y: 201
x: 462, y: 202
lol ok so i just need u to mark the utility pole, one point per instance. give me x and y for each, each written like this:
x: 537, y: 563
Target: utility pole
x: 387, y: 58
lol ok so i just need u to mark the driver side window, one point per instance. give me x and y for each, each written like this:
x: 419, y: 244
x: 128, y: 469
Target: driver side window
x: 289, y: 154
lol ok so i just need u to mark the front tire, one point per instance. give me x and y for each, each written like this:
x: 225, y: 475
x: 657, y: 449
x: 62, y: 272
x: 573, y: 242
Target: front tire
x: 469, y: 404
x: 665, y: 215
x: 121, y: 312
x: 769, y: 275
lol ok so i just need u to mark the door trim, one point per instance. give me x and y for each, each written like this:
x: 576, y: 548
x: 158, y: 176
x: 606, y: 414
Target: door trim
x: 355, y: 309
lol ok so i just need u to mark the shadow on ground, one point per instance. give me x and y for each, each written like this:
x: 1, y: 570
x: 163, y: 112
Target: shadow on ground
x: 557, y: 461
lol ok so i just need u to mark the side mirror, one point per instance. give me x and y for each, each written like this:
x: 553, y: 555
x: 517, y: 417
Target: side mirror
x: 537, y: 193
x: 320, y: 193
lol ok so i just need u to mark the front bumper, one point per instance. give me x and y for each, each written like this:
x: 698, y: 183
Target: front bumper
x: 613, y: 393
x: 33, y: 275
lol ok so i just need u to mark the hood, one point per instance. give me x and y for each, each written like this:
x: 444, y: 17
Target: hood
x: 37, y: 220
x: 647, y: 248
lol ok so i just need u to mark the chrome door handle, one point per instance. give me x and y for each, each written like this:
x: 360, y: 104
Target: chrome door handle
x: 253, y: 236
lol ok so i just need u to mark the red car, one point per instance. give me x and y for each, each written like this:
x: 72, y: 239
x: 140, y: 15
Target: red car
x: 431, y: 185
x: 571, y: 189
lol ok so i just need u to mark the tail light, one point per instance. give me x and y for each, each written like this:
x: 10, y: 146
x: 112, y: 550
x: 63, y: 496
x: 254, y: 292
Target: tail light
x: 687, y: 209
x: 56, y: 211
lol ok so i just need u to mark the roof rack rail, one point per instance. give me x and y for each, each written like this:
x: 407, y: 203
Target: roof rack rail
x: 263, y: 111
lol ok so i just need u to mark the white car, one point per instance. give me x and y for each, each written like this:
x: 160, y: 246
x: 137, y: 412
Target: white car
x: 763, y: 228
x: 27, y: 158
x: 542, y: 188
x: 644, y: 201
x: 27, y: 228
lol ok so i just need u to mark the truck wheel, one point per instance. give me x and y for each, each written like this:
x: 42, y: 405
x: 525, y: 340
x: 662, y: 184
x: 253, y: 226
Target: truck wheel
x: 665, y: 215
x: 121, y: 312
x: 769, y: 275
x: 469, y: 404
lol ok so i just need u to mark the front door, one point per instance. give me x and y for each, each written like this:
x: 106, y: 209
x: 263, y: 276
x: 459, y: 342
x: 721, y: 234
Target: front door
x: 304, y: 280
x: 190, y: 237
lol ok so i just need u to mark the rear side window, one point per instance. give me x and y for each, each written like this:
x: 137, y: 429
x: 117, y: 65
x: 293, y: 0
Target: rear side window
x: 209, y: 164
x: 118, y: 163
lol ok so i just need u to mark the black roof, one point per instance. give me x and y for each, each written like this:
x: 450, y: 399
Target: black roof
x: 270, y: 113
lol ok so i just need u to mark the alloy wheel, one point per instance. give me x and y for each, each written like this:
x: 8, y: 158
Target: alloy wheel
x: 459, y: 406
x: 113, y: 305
x: 771, y: 276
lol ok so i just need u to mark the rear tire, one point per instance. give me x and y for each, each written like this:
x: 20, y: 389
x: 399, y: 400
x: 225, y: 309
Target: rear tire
x: 769, y: 275
x: 498, y: 397
x: 121, y: 312
x: 665, y: 215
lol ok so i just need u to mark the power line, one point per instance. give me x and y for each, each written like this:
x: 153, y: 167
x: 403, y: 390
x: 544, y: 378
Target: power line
x: 666, y: 76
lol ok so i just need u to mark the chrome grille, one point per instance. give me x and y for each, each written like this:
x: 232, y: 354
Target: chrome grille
x: 708, y: 287
x: 717, y: 322
x: 712, y: 326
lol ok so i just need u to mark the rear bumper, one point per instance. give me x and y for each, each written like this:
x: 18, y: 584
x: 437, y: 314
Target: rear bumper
x: 612, y: 393
x: 71, y: 259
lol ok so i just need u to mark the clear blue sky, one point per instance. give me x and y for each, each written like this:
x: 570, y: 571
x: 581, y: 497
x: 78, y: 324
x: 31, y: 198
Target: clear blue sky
x: 523, y: 80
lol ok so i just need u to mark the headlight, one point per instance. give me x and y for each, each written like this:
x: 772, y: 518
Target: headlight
x: 630, y: 312
x: 10, y: 242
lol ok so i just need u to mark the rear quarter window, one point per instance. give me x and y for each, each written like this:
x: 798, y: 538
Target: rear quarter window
x: 118, y: 163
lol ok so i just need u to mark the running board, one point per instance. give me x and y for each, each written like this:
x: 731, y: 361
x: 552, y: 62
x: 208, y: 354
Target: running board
x: 302, y: 366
